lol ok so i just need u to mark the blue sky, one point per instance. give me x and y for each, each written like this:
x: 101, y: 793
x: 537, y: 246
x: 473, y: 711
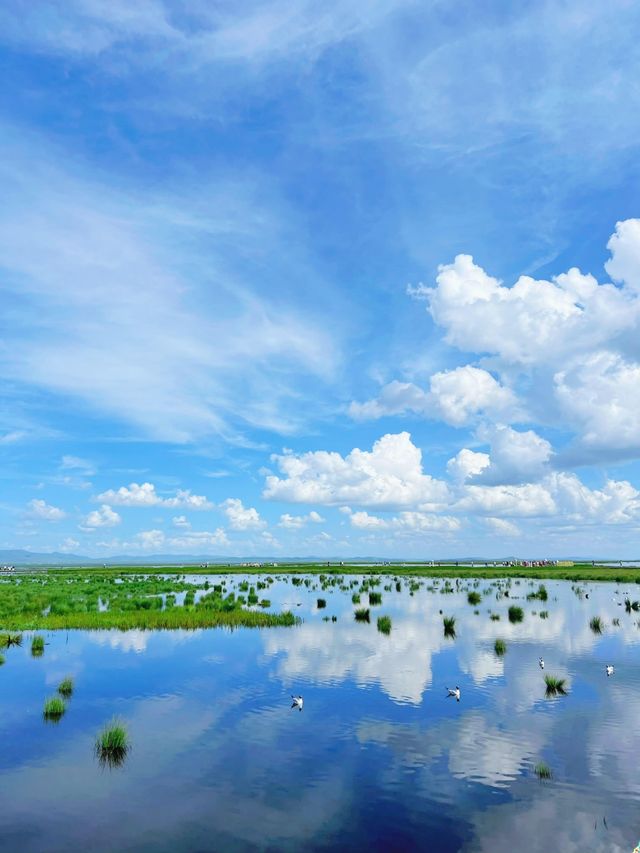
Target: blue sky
x: 320, y: 279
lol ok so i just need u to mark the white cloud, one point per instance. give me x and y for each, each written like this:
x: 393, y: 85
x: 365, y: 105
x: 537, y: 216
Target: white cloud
x: 241, y: 517
x: 181, y: 521
x: 624, y: 245
x: 600, y: 396
x: 502, y: 527
x: 389, y: 476
x: 153, y: 540
x: 515, y: 456
x: 40, y: 509
x: 407, y: 522
x: 295, y: 522
x: 76, y: 463
x: 456, y: 396
x: 145, y: 495
x: 467, y: 463
x: 70, y: 544
x: 103, y: 517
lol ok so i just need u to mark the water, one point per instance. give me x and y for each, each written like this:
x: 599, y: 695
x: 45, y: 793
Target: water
x: 379, y: 758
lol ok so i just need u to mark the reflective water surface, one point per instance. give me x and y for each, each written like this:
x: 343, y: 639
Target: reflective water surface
x: 378, y: 759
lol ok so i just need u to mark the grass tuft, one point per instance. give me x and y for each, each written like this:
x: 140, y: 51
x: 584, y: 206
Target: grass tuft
x: 474, y: 598
x: 596, y: 625
x: 449, y: 624
x: 500, y: 647
x: 543, y: 771
x: 37, y: 646
x: 384, y: 624
x: 65, y: 688
x: 54, y: 708
x: 112, y: 744
x: 516, y: 614
x: 362, y: 614
x: 375, y: 598
x: 555, y: 686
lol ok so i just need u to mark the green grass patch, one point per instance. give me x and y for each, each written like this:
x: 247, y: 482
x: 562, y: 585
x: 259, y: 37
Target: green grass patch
x: 112, y: 744
x: 375, y: 598
x: 449, y: 626
x: 474, y: 598
x: 543, y: 771
x: 596, y: 624
x: 65, y: 688
x: 500, y: 647
x: 516, y: 614
x: 37, y: 646
x: 555, y: 686
x: 384, y: 624
x: 362, y: 614
x: 54, y: 709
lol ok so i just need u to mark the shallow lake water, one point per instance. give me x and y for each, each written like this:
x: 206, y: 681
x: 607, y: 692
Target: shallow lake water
x: 379, y: 758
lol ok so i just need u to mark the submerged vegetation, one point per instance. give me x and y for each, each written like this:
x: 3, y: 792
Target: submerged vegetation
x: 112, y: 744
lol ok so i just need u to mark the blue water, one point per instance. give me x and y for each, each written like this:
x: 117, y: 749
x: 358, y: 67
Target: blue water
x: 379, y: 759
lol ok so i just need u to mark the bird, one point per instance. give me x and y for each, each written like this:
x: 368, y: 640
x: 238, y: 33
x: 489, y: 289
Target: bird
x: 541, y: 663
x: 609, y: 669
x: 454, y: 691
x: 298, y: 702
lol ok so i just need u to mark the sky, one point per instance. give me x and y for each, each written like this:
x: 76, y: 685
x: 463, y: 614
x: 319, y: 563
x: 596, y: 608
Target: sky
x: 333, y: 280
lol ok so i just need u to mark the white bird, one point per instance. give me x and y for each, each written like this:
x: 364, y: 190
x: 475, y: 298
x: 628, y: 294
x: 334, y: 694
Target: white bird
x: 541, y: 662
x: 454, y: 691
x: 609, y: 669
x: 298, y: 702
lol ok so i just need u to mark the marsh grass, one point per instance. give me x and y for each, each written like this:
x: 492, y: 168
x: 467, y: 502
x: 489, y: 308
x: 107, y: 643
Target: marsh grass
x: 500, y: 647
x: 375, y: 598
x: 355, y: 598
x: 544, y: 614
x: 37, y: 646
x: 384, y: 624
x: 9, y: 639
x: 65, y: 688
x: 543, y: 771
x: 516, y: 614
x: 1, y: 660
x: 449, y: 625
x: 555, y: 686
x: 112, y: 744
x: 495, y: 617
x: 596, y: 624
x: 474, y: 598
x: 321, y: 602
x: 54, y: 708
x: 362, y: 614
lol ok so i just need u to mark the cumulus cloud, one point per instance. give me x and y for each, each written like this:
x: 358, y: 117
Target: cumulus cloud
x: 103, y: 517
x: 145, y: 495
x: 181, y: 521
x: 153, y: 540
x: 40, y: 509
x: 467, y: 463
x: 295, y: 522
x: 241, y: 517
x: 455, y: 396
x: 502, y: 527
x: 388, y: 476
x: 408, y: 522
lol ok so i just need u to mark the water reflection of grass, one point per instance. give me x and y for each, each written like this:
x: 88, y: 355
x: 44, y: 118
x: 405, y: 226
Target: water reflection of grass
x: 362, y: 614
